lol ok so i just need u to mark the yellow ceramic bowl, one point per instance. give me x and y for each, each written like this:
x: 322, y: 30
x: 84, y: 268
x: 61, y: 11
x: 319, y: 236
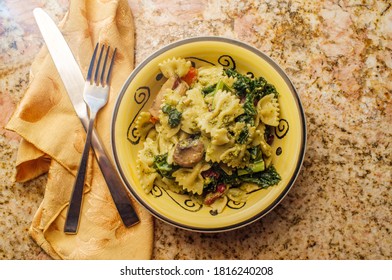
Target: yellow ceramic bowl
x: 137, y: 95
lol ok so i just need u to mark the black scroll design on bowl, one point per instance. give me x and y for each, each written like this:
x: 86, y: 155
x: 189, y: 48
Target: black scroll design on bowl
x: 227, y: 61
x: 156, y: 191
x: 194, y: 58
x: 235, y: 205
x: 224, y: 60
x: 184, y: 201
x: 141, y: 96
x: 230, y: 204
x: 282, y: 128
x: 250, y: 74
x: 159, y: 77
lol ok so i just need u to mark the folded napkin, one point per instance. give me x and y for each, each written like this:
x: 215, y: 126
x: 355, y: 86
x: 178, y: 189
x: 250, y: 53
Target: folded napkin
x: 53, y: 140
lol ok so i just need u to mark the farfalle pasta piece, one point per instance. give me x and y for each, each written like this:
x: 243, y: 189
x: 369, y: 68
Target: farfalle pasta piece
x: 219, y: 205
x: 192, y: 107
x: 220, y: 136
x: 190, y: 178
x: 194, y: 98
x: 189, y: 122
x: 169, y: 184
x: 143, y: 124
x: 232, y: 154
x: 226, y: 107
x: 268, y: 110
x: 236, y: 157
x: 146, y: 174
x: 175, y: 67
x: 209, y: 75
x: 259, y: 139
x: 237, y: 195
x: 214, y: 152
x: 206, y: 124
x: 249, y: 187
x: 165, y: 145
x: 165, y: 128
x: 150, y: 149
x: 229, y: 81
x: 152, y: 134
x: 172, y: 98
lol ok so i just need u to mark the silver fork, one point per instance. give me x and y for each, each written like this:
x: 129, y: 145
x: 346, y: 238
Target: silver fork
x: 95, y: 95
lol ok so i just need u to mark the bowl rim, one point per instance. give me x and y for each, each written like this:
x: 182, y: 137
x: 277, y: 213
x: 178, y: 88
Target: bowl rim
x: 293, y: 91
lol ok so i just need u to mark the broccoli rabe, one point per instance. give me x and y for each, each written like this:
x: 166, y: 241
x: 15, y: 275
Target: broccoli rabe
x: 256, y: 173
x: 255, y: 167
x: 243, y: 135
x: 263, y: 179
x: 250, y: 90
x: 163, y: 167
x: 212, y: 89
x: 174, y: 115
x: 208, y: 89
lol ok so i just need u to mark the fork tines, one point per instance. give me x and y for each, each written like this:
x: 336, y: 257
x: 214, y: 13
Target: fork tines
x: 102, y: 81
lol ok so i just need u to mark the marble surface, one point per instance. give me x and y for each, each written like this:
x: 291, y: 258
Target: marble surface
x: 338, y: 55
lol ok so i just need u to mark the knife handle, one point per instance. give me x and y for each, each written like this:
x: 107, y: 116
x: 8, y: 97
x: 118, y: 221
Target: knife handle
x: 116, y: 187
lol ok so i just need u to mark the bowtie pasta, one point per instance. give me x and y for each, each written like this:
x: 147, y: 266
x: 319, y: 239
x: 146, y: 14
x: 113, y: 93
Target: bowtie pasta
x: 208, y: 134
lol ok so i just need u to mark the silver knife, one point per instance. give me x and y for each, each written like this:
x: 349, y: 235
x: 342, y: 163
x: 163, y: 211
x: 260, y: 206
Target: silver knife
x: 73, y: 82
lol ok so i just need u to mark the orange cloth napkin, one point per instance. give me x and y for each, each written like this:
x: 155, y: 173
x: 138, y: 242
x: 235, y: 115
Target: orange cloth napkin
x: 53, y: 140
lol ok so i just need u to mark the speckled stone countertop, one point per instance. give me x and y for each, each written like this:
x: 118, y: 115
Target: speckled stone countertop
x: 339, y: 57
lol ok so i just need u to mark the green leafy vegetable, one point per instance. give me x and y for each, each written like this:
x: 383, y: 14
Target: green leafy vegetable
x: 208, y: 89
x: 163, y: 167
x: 270, y: 89
x: 222, y: 86
x: 211, y: 90
x: 250, y: 90
x: 245, y: 85
x: 255, y: 167
x: 264, y: 179
x: 258, y: 166
x: 174, y: 115
x: 243, y: 136
x: 255, y: 173
x: 255, y: 153
x: 242, y: 85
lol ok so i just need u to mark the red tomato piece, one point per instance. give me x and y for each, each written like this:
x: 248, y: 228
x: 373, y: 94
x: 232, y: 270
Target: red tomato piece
x: 191, y: 76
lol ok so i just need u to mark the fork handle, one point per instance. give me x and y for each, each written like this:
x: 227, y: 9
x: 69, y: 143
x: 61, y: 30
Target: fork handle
x: 75, y: 204
x: 116, y: 186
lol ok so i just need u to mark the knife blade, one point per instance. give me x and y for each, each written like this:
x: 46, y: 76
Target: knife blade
x: 73, y: 81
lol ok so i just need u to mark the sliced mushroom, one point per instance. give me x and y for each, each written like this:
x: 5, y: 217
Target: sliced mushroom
x: 173, y: 83
x: 156, y: 105
x: 188, y: 152
x: 181, y: 88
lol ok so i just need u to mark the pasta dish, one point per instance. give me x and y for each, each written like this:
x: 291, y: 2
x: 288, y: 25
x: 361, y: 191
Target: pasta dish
x: 208, y: 134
